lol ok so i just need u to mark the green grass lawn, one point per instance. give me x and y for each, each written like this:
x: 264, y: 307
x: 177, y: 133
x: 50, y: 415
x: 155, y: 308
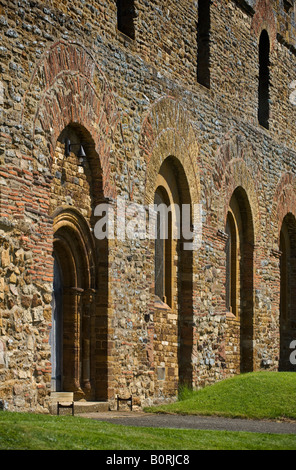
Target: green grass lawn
x: 262, y: 395
x: 259, y: 395
x: 39, y: 432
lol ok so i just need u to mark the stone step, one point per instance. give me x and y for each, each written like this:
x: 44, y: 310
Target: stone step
x: 91, y: 407
x: 81, y: 407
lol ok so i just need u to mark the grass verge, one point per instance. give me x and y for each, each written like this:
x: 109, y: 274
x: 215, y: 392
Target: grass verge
x: 259, y: 395
x: 39, y: 432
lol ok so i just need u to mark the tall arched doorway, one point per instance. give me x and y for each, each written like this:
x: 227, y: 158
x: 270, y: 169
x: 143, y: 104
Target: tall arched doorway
x: 80, y: 291
x: 240, y: 279
x: 288, y: 289
x: 74, y: 294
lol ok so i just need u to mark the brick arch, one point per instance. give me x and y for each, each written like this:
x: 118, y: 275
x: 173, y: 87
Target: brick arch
x: 232, y: 170
x: 264, y: 18
x: 284, y: 202
x: 67, y: 86
x: 167, y: 132
x: 238, y: 175
x: 169, y: 147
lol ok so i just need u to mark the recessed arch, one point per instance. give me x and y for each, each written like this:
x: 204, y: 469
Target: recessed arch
x: 287, y: 319
x: 167, y: 198
x: 239, y: 286
x: 81, y: 267
x: 168, y: 142
x: 173, y: 313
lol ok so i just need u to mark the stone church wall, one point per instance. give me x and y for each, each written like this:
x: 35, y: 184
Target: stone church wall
x: 66, y: 71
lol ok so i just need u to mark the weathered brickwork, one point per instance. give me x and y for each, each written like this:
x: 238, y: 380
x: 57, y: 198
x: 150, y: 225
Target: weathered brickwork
x: 136, y: 106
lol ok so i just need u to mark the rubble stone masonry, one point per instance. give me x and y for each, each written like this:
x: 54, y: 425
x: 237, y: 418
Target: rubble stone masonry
x: 136, y: 105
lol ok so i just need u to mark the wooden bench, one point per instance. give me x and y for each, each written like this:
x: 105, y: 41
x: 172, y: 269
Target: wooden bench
x: 63, y: 400
x: 130, y: 399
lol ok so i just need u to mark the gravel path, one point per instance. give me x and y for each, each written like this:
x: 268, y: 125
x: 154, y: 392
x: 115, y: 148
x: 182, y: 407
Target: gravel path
x: 193, y: 422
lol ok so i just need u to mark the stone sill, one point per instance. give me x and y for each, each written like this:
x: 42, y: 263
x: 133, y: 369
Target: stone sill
x: 230, y: 315
x: 160, y: 305
x: 126, y: 40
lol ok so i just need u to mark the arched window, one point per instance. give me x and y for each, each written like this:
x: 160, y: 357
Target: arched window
x: 231, y: 264
x: 125, y: 17
x: 203, y: 43
x: 163, y: 247
x: 240, y: 275
x: 173, y: 279
x: 263, y: 92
